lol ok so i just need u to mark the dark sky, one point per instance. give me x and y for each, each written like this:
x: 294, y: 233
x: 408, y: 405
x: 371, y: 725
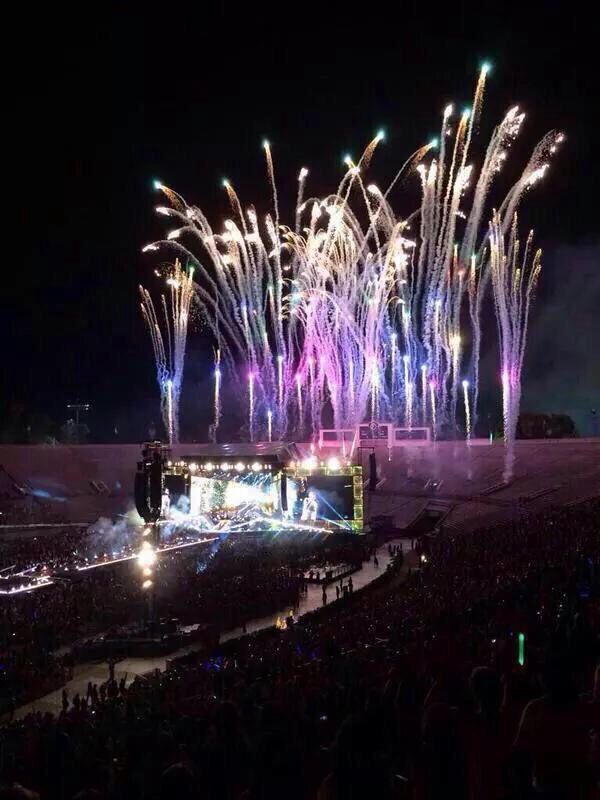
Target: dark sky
x: 102, y: 103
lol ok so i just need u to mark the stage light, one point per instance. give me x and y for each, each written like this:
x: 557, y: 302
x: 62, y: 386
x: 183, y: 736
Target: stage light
x: 310, y: 462
x: 256, y: 467
x: 193, y: 467
x: 208, y: 466
x: 147, y: 584
x: 333, y: 463
x: 225, y: 466
x: 169, y: 463
x: 240, y: 467
x: 147, y: 556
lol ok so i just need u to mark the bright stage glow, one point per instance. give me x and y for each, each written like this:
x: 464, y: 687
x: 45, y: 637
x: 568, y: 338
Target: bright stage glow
x: 147, y: 555
x: 240, y: 467
x: 333, y: 464
x: 147, y: 584
x: 256, y: 466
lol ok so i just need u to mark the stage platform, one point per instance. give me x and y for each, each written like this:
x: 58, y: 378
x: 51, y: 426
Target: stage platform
x: 79, y: 484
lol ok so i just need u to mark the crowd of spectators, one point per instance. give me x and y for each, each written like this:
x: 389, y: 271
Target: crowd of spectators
x: 51, y: 548
x: 222, y: 586
x: 473, y: 676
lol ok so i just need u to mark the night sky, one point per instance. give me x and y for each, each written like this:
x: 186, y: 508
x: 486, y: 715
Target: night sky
x: 102, y: 103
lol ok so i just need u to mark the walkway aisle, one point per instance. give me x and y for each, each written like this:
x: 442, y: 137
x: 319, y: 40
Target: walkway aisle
x: 130, y: 667
x: 314, y: 598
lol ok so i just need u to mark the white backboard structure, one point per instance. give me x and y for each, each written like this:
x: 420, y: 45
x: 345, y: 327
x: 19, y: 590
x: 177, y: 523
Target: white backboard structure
x: 373, y: 434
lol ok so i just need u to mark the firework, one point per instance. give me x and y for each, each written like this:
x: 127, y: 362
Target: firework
x: 334, y: 317
x: 169, y: 340
x: 514, y: 274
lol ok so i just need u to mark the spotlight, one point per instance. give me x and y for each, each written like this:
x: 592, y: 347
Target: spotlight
x: 147, y: 584
x: 240, y: 467
x: 193, y: 467
x: 225, y: 466
x: 333, y: 464
x: 310, y: 462
x: 256, y: 467
x: 147, y: 556
x: 208, y: 466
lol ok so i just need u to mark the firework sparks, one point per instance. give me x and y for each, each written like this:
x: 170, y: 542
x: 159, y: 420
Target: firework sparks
x: 169, y: 340
x: 514, y: 274
x: 321, y: 311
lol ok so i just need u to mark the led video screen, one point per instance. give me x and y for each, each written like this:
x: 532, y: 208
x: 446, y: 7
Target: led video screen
x: 232, y: 497
x: 320, y: 497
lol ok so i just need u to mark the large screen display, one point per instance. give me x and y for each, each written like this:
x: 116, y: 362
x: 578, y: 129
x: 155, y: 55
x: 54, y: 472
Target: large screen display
x: 320, y: 497
x: 238, y: 496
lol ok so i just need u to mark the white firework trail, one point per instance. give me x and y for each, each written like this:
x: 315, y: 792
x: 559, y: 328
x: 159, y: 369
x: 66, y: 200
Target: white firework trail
x: 514, y: 275
x: 169, y: 339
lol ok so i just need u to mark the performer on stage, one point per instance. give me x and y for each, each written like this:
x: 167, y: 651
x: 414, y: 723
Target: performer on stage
x: 166, y: 504
x: 309, y: 507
